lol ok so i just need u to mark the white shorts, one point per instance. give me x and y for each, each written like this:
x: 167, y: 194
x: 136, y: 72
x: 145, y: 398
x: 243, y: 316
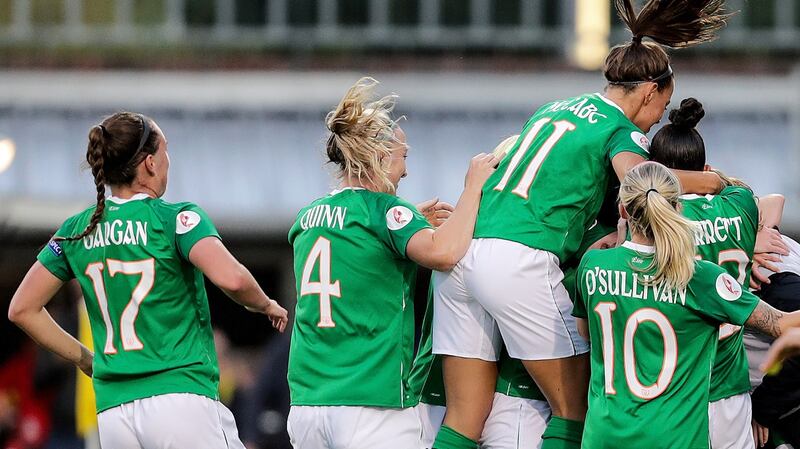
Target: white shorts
x: 430, y: 419
x: 729, y: 423
x: 504, y: 288
x: 515, y: 423
x: 332, y: 427
x: 169, y: 421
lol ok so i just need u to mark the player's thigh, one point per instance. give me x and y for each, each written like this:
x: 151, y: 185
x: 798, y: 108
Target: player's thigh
x: 521, y: 288
x: 116, y: 429
x: 461, y: 326
x: 173, y: 421
x: 430, y: 420
x: 515, y: 423
x: 373, y: 427
x: 306, y: 427
x: 730, y: 423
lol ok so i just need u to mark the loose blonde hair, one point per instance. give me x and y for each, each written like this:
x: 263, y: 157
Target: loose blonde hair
x: 506, y: 145
x: 650, y: 194
x: 362, y: 135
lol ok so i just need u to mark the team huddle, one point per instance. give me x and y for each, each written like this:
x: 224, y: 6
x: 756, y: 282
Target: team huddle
x: 589, y: 288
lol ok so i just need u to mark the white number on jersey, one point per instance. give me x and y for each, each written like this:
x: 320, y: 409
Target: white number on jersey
x: 523, y: 187
x: 324, y: 288
x: 668, y: 365
x: 127, y: 326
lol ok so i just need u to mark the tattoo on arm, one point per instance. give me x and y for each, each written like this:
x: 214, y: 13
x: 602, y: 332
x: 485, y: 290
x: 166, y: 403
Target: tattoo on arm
x: 765, y: 319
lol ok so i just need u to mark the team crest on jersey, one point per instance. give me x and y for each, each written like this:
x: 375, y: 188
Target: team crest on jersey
x: 398, y: 217
x: 55, y: 248
x: 186, y: 221
x: 728, y: 288
x: 641, y: 140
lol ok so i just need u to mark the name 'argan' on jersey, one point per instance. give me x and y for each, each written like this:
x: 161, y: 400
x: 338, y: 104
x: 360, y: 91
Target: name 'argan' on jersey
x: 117, y: 232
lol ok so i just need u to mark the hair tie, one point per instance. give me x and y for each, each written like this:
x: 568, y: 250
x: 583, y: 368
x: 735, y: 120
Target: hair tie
x: 637, y: 39
x: 650, y: 190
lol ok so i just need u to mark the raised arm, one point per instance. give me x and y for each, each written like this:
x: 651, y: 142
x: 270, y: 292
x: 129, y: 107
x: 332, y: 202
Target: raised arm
x: 701, y: 183
x: 442, y: 248
x: 770, y: 208
x: 211, y: 257
x: 27, y: 310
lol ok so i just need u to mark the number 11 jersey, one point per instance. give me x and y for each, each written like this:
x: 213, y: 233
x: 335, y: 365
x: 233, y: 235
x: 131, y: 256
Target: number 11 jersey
x: 353, y: 335
x: 147, y: 305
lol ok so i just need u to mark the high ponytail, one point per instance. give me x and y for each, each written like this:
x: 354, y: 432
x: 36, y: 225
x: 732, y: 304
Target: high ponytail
x: 650, y: 195
x: 671, y: 23
x: 362, y: 135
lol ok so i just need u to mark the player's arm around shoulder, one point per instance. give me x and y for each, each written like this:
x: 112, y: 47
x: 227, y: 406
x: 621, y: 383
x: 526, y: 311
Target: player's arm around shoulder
x: 442, y: 248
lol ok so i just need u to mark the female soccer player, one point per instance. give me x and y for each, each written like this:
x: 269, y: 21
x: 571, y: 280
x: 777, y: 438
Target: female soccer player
x: 140, y: 263
x: 356, y: 252
x: 725, y: 234
x: 653, y: 315
x: 533, y: 214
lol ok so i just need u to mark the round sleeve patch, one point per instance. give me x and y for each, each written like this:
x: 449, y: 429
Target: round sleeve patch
x: 641, y: 140
x: 727, y: 287
x: 186, y: 221
x: 398, y: 217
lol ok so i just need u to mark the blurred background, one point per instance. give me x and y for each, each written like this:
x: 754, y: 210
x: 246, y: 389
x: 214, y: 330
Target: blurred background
x: 241, y: 87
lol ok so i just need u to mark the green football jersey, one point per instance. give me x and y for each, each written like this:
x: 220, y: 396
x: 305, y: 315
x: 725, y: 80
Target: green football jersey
x: 353, y: 335
x: 652, y: 348
x: 726, y: 235
x: 147, y: 305
x: 426, y: 381
x: 549, y: 188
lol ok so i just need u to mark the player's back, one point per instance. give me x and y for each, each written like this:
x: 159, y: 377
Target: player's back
x: 147, y: 304
x: 652, y: 348
x: 353, y: 336
x: 725, y: 234
x: 551, y: 184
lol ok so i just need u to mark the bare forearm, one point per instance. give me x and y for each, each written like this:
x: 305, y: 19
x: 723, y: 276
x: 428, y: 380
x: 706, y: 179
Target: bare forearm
x: 41, y: 327
x: 452, y: 238
x: 701, y: 183
x: 771, y: 208
x: 248, y: 294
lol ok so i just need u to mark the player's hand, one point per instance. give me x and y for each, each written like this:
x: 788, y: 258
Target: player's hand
x: 770, y: 241
x: 787, y: 345
x: 277, y: 314
x: 762, y: 260
x: 86, y: 361
x: 435, y: 211
x: 760, y: 434
x: 480, y: 168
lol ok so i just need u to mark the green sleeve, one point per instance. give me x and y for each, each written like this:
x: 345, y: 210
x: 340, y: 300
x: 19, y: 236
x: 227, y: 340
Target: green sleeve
x: 579, y: 302
x: 192, y: 225
x: 719, y: 296
x: 630, y: 140
x: 744, y: 199
x: 402, y: 220
x: 53, y: 258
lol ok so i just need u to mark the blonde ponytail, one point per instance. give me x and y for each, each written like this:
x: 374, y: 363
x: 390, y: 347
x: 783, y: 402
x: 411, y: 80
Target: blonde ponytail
x: 650, y: 195
x: 362, y: 135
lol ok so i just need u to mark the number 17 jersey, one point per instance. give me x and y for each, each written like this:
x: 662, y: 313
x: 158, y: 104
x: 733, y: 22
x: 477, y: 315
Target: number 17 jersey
x: 353, y: 334
x: 147, y: 305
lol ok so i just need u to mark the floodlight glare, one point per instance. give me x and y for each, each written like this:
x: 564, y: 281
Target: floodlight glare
x: 7, y: 152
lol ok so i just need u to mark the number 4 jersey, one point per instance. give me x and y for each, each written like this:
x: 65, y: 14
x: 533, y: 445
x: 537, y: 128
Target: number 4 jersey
x: 353, y: 336
x: 652, y: 348
x: 147, y: 304
x: 549, y: 188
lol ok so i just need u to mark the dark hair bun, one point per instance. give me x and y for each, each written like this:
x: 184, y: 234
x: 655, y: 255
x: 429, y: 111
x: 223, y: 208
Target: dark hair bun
x: 688, y: 115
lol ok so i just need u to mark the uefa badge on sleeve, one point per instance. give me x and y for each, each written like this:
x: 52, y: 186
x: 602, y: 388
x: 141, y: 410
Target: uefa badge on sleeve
x: 186, y: 221
x: 727, y: 287
x: 398, y: 217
